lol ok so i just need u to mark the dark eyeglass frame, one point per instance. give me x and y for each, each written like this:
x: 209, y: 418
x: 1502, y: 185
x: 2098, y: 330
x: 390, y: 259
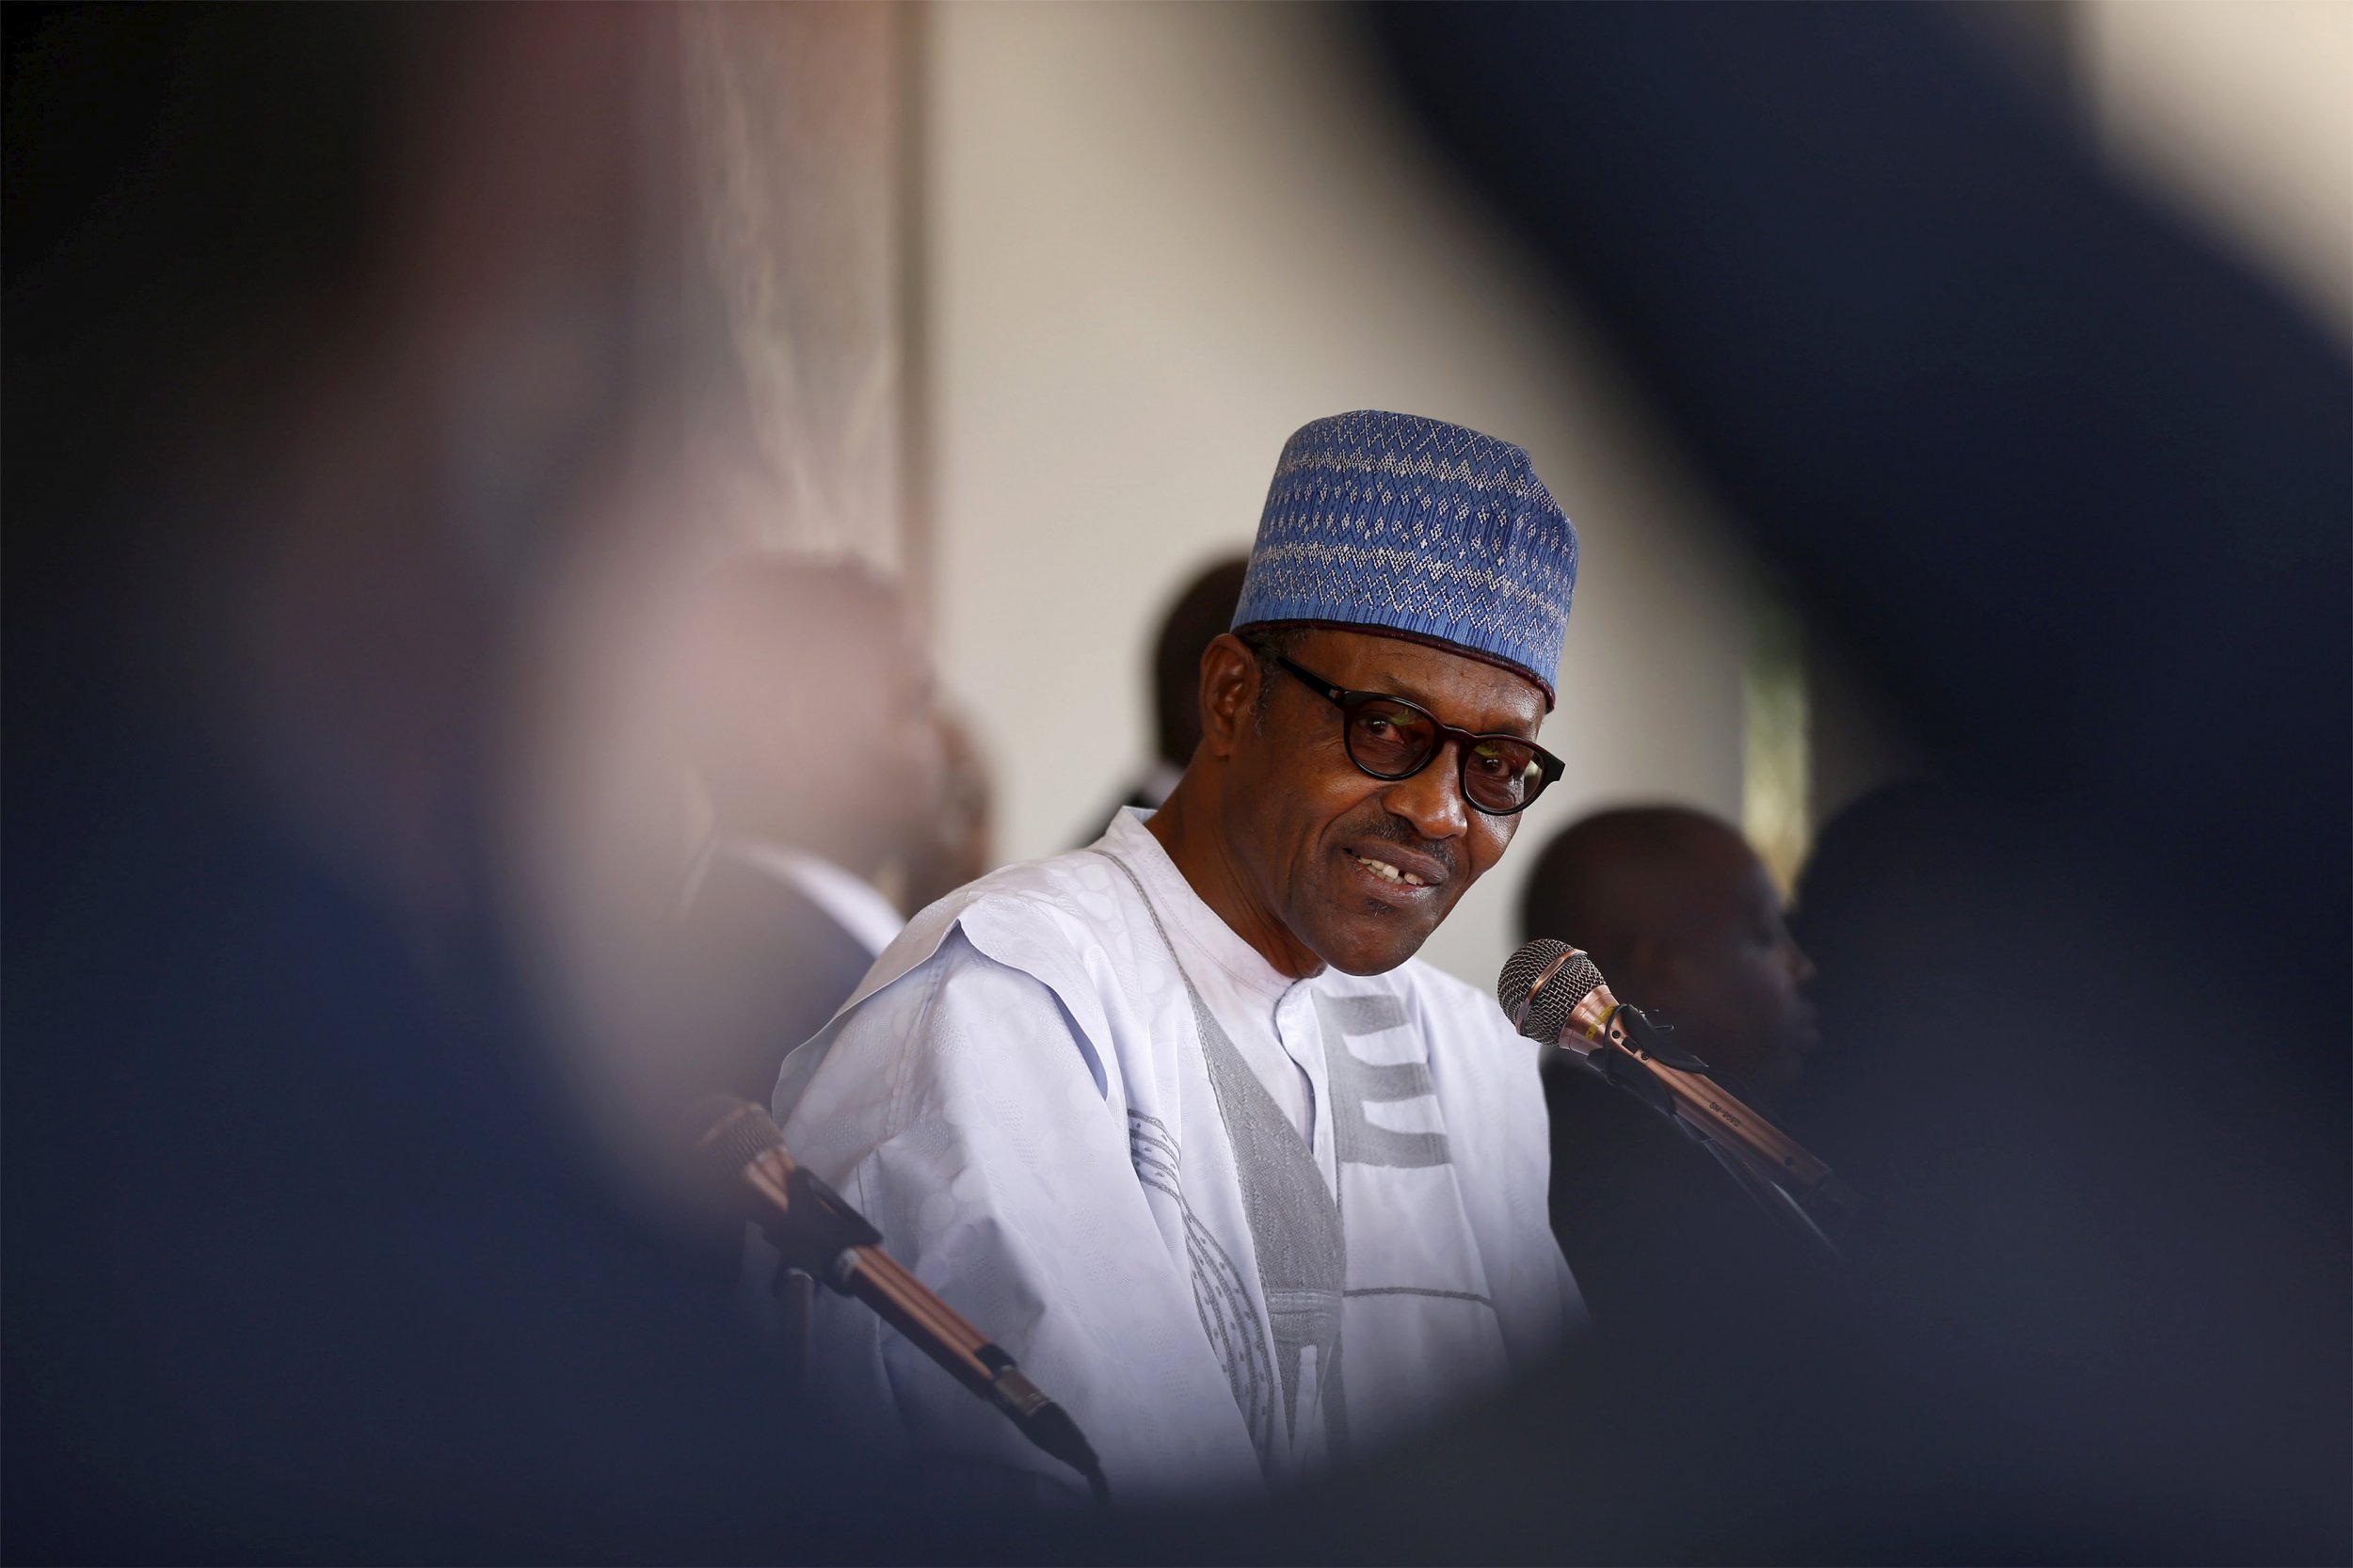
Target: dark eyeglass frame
x: 1549, y: 767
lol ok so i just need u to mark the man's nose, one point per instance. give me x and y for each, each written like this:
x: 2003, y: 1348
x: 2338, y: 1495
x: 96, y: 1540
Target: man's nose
x: 1432, y: 799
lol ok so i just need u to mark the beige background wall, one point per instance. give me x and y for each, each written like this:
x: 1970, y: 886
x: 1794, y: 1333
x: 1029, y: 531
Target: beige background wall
x: 1159, y: 237
x: 2239, y: 113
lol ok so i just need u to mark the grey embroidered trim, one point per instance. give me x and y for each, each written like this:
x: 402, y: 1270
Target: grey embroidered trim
x: 1355, y: 1137
x: 1218, y: 1293
x: 1294, y: 1223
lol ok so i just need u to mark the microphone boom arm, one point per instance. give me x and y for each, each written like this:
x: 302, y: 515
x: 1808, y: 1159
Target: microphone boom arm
x: 1609, y: 1033
x: 819, y: 1232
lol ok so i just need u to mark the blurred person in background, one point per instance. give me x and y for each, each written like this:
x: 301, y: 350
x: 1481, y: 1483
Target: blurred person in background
x: 1250, y: 1189
x: 958, y: 844
x: 1684, y: 922
x: 817, y: 748
x: 1870, y: 903
x: 1201, y: 614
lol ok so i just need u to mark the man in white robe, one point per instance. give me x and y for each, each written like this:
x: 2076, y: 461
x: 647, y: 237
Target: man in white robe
x: 1177, y: 1118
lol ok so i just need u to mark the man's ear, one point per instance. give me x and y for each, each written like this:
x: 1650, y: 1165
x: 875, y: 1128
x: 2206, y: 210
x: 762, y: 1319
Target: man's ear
x: 1229, y: 692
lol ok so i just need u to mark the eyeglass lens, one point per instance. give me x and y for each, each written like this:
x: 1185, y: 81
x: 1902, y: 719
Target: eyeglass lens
x: 1391, y: 739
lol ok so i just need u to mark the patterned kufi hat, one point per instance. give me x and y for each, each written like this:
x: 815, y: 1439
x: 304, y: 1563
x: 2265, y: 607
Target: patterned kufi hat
x: 1414, y: 527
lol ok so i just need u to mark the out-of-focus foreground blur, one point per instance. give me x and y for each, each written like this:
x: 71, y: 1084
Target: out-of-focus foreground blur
x: 1955, y: 394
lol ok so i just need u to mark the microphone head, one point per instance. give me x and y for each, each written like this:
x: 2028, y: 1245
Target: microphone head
x: 1548, y: 1013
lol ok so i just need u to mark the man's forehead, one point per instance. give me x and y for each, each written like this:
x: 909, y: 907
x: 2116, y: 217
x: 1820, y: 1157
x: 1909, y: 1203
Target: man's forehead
x: 1460, y: 688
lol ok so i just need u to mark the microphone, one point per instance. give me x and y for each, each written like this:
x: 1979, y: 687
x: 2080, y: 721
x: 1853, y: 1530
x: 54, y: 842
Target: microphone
x: 1554, y: 993
x: 817, y: 1232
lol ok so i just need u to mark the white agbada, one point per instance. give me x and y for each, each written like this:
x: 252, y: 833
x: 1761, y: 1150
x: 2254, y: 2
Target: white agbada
x: 1238, y: 1224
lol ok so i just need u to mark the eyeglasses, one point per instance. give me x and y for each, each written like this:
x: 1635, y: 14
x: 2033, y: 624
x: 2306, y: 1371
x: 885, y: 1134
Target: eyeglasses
x: 1391, y: 738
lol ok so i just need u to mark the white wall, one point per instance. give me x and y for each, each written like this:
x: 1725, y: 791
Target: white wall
x: 1160, y: 238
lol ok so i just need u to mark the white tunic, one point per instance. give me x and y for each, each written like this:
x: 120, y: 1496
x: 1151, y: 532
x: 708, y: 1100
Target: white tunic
x: 1238, y: 1225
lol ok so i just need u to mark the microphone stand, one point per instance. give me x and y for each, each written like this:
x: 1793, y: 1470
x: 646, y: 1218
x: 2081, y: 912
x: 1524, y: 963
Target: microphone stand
x: 823, y: 1239
x: 1768, y: 1194
x: 1620, y: 1045
x: 795, y: 1292
x: 1674, y: 1083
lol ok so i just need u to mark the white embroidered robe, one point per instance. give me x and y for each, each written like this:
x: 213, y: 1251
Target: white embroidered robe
x: 1052, y: 1096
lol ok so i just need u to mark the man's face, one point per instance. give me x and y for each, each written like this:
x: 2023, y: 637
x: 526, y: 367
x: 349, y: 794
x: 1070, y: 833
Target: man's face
x: 1312, y: 833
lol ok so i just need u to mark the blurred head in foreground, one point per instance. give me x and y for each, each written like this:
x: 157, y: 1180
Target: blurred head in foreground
x: 1684, y: 920
x: 326, y: 415
x: 1369, y: 729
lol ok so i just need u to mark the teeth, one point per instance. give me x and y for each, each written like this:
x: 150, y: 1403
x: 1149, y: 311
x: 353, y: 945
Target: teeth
x: 1391, y: 872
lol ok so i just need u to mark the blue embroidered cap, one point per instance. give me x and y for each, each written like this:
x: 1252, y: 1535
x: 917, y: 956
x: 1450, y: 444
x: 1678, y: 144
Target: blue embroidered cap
x: 1393, y: 522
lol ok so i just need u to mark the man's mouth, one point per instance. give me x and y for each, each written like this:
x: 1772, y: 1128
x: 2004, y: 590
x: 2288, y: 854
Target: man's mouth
x: 1395, y: 875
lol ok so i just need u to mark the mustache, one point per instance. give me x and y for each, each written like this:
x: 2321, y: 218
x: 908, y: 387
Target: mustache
x: 1395, y: 829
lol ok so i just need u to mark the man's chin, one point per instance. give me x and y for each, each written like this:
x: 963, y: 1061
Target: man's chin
x: 1370, y: 951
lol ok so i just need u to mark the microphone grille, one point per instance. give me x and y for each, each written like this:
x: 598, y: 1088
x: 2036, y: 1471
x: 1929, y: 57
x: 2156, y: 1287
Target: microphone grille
x: 1550, y: 1014
x: 1521, y: 969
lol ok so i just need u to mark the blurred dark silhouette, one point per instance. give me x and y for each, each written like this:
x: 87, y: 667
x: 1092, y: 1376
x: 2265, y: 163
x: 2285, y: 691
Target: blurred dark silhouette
x: 2081, y: 491
x: 814, y: 738
x: 1201, y: 613
x: 1852, y: 906
x: 322, y: 327
x: 1684, y: 921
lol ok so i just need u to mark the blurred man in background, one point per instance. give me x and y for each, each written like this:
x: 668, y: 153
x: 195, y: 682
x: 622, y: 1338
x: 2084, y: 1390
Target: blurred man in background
x: 1686, y: 922
x: 1201, y: 613
x: 1874, y: 904
x: 959, y: 844
x: 814, y: 739
x: 1684, y: 919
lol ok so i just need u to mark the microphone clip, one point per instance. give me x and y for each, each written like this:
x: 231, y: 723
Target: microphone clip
x: 818, y: 1228
x: 1628, y: 1073
x: 1655, y: 1041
